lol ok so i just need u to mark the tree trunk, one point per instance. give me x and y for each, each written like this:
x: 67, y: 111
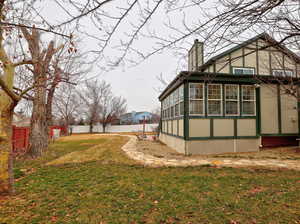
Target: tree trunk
x: 91, y: 127
x: 49, y: 108
x: 38, y: 138
x: 6, y: 173
x: 103, y: 127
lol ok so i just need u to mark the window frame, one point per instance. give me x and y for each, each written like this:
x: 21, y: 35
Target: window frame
x: 242, y: 101
x: 221, y: 99
x: 243, y: 68
x: 231, y: 100
x: 195, y: 99
x: 284, y: 73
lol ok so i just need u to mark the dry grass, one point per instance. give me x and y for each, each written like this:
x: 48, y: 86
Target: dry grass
x: 114, y: 189
x: 94, y: 153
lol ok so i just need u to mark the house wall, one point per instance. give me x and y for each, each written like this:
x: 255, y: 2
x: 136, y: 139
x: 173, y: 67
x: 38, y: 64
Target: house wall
x: 263, y: 61
x: 174, y: 142
x: 279, y: 113
x: 218, y: 146
x: 222, y: 127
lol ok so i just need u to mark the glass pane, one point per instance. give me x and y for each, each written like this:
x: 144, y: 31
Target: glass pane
x: 214, y: 107
x: 181, y: 108
x: 243, y: 71
x: 231, y: 92
x: 181, y: 93
x: 248, y: 71
x: 196, y: 107
x: 231, y: 108
x: 176, y: 110
x: 248, y: 92
x: 238, y: 71
x: 214, y: 92
x: 248, y: 108
x: 196, y: 91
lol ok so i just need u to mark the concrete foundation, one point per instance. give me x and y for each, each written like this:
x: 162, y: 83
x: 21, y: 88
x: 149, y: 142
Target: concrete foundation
x: 175, y: 143
x: 206, y: 147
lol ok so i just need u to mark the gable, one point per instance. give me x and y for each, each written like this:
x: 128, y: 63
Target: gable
x: 256, y: 53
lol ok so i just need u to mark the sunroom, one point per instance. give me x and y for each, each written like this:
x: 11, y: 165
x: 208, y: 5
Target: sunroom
x: 201, y: 116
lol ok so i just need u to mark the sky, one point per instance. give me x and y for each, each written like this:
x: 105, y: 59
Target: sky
x: 138, y: 84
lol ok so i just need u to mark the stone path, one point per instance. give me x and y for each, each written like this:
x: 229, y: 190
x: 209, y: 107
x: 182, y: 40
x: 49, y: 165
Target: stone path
x: 130, y: 149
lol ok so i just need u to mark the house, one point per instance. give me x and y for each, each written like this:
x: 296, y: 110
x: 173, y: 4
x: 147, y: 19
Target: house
x: 136, y: 117
x: 238, y: 101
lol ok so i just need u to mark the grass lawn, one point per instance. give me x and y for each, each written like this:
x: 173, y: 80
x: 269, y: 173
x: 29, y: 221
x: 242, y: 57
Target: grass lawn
x: 99, y: 184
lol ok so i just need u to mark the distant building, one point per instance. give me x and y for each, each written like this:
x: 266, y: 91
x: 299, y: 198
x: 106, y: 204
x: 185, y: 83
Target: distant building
x: 136, y: 117
x: 20, y: 120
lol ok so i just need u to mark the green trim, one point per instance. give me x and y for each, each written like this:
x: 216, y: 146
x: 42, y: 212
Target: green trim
x: 285, y: 134
x: 186, y: 110
x: 214, y: 67
x: 211, y: 126
x: 258, y: 113
x: 279, y: 109
x: 222, y: 117
x: 205, y: 99
x: 224, y: 78
x: 222, y: 137
x: 235, y: 127
x: 176, y: 136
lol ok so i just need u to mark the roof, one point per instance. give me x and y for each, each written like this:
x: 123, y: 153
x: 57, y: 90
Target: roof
x: 183, y: 74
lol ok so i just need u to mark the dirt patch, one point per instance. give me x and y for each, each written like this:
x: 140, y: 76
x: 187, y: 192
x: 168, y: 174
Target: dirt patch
x: 157, y: 149
x: 160, y: 150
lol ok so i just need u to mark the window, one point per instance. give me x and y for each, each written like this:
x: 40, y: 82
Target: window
x: 196, y: 105
x: 176, y: 102
x: 172, y: 105
x: 243, y: 71
x: 248, y: 100
x: 181, y: 99
x: 214, y: 99
x: 283, y: 73
x: 231, y: 100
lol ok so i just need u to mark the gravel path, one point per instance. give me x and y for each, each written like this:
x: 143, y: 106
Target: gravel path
x: 130, y: 148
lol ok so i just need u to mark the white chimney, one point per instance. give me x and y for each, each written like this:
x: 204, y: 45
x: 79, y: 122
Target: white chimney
x: 195, y: 56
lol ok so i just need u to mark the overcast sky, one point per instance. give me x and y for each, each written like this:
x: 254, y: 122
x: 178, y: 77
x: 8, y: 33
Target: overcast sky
x: 139, y: 84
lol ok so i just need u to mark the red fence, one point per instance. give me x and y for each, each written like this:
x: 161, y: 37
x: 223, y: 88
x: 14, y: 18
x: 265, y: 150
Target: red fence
x: 20, y: 137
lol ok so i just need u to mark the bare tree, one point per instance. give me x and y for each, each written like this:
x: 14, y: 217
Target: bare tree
x: 38, y: 138
x: 66, y: 104
x: 91, y: 95
x: 111, y: 107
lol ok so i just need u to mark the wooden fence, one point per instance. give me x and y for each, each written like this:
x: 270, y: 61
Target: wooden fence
x: 20, y: 137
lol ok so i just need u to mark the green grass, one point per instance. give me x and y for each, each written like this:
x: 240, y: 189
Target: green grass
x: 114, y: 189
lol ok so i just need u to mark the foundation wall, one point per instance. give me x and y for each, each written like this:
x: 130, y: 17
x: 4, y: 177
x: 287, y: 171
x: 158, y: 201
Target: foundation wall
x: 217, y: 146
x: 175, y: 143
